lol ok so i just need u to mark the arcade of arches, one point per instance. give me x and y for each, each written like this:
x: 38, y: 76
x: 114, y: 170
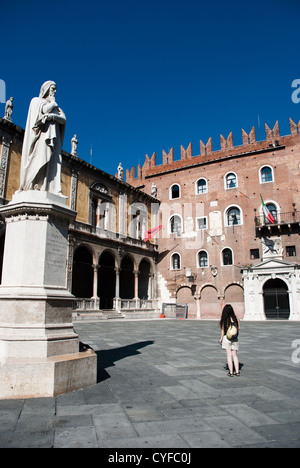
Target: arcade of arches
x: 111, y: 278
x: 209, y: 302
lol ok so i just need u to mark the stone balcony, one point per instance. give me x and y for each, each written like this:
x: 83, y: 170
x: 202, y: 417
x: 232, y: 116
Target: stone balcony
x: 111, y: 235
x: 284, y: 222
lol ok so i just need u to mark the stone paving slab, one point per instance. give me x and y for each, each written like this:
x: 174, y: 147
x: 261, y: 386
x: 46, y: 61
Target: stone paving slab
x: 162, y: 383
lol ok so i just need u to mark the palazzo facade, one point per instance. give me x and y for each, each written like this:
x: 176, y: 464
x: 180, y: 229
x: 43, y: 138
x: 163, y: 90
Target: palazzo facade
x: 217, y: 245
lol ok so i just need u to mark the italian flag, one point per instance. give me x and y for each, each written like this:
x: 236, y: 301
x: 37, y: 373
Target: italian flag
x: 267, y: 213
x: 151, y: 233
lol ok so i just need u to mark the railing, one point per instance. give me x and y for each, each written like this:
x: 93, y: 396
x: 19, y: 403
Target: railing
x: 86, y: 304
x: 136, y: 304
x: 106, y: 234
x: 281, y: 219
x: 118, y: 304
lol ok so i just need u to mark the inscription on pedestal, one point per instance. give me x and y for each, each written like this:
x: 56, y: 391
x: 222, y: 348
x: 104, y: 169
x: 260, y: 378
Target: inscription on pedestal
x: 56, y: 255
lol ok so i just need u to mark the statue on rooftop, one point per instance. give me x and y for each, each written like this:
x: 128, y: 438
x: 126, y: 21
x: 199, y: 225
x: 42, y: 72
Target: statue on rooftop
x: 44, y: 134
x: 74, y: 143
x: 9, y: 109
x: 120, y: 172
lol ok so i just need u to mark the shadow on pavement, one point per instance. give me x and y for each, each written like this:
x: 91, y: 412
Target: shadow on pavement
x: 107, y: 358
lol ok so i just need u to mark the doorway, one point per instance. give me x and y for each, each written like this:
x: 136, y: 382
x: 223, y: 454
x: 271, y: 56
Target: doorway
x: 276, y: 300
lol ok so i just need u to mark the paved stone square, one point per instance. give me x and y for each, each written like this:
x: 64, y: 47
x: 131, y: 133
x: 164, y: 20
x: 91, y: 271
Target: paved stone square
x: 162, y: 384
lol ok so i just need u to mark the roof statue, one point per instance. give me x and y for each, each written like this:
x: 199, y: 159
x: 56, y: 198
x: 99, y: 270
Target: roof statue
x: 9, y: 109
x: 120, y: 172
x: 74, y: 143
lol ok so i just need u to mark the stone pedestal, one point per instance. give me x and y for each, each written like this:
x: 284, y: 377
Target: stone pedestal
x: 39, y: 349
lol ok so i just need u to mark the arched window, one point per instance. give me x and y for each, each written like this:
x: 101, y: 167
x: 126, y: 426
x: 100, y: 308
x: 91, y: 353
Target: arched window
x: 201, y: 186
x: 202, y: 259
x: 139, y: 220
x: 266, y: 174
x: 174, y: 191
x: 227, y: 257
x: 175, y: 225
x: 101, y: 207
x: 233, y: 216
x: 231, y: 180
x: 175, y: 262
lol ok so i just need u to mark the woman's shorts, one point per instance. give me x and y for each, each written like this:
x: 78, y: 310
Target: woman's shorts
x: 233, y: 345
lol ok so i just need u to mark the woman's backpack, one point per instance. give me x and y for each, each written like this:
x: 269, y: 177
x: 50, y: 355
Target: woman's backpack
x: 232, y: 332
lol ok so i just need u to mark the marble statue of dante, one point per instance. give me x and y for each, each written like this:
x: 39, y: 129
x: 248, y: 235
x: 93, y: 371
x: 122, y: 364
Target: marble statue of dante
x: 44, y: 134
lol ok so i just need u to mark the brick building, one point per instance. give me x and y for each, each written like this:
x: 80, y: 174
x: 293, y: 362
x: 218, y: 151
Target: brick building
x: 216, y: 244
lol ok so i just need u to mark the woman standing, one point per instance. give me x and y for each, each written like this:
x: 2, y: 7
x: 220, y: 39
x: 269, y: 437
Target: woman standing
x: 231, y: 345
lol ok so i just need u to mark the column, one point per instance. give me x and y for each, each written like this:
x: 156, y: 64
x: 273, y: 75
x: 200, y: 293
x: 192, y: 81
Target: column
x: 136, y: 286
x: 95, y: 286
x: 118, y: 271
x: 117, y: 300
x: 197, y: 299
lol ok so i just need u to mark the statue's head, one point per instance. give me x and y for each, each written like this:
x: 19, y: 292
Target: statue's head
x: 49, y: 87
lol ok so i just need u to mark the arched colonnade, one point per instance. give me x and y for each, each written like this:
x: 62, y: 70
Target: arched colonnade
x: 109, y: 276
x: 205, y: 301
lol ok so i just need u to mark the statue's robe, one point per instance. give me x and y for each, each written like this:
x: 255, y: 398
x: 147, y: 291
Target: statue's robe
x: 41, y: 153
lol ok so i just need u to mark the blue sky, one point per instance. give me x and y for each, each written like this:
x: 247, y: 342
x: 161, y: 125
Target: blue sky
x: 137, y: 77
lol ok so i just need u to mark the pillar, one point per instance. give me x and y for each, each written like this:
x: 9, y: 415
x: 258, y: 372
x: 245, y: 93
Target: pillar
x: 118, y: 271
x: 117, y: 300
x: 95, y: 285
x: 39, y: 348
x: 197, y: 299
x: 136, y: 284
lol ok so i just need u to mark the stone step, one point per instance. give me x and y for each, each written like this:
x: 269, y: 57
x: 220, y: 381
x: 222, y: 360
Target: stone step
x: 96, y: 315
x: 112, y: 314
x: 90, y: 316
